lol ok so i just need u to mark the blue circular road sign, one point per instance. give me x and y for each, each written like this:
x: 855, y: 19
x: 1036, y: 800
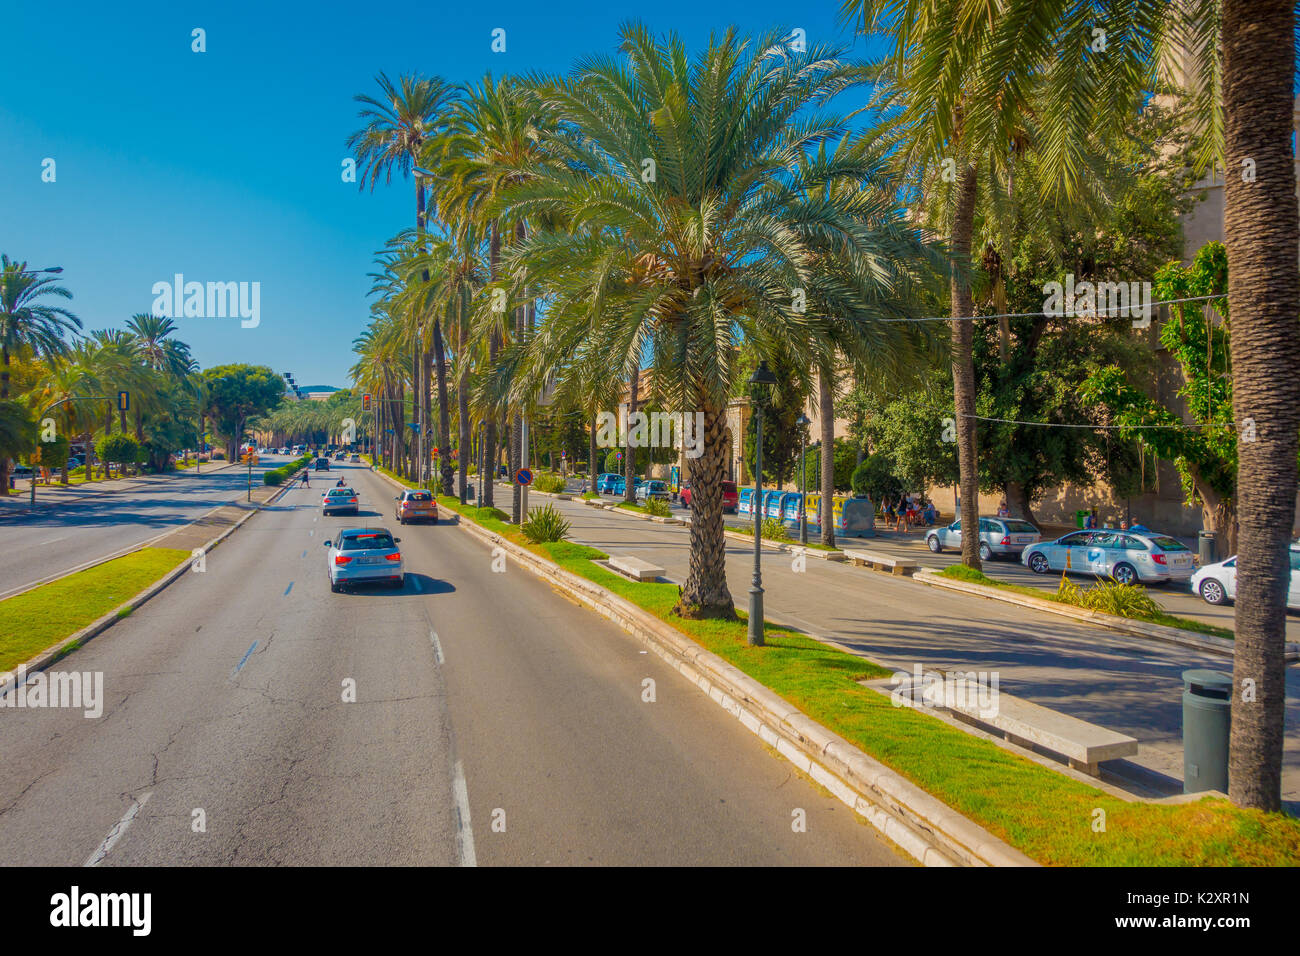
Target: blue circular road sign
x: 523, y: 477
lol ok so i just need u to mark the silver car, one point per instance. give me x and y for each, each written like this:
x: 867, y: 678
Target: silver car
x: 652, y: 489
x: 998, y: 536
x: 1125, y: 556
x: 339, y: 501
x: 364, y: 556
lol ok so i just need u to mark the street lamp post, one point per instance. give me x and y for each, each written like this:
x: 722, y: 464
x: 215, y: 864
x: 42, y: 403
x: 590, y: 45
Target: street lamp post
x: 759, y: 382
x: 803, y: 421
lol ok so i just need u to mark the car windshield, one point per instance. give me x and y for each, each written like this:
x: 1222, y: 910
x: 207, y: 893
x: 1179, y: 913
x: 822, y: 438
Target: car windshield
x: 366, y: 542
x: 1019, y: 527
x: 1166, y: 543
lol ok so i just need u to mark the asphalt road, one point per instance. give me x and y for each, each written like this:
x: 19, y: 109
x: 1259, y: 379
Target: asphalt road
x: 495, y: 722
x: 77, y: 527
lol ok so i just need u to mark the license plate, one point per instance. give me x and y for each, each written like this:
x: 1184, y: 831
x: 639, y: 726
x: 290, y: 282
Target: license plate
x: 1023, y: 539
x: 1181, y: 561
x: 372, y: 560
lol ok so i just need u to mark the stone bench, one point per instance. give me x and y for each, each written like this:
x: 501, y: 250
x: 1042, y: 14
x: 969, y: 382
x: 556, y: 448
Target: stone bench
x: 881, y: 562
x: 1028, y: 724
x: 635, y: 568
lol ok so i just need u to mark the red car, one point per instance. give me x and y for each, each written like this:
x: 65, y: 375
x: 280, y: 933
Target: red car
x: 730, y: 496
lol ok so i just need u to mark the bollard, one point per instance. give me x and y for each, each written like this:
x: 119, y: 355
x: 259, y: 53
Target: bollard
x: 1207, y: 711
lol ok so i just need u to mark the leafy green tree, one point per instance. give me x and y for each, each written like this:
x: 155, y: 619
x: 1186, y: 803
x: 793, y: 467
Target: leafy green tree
x: 874, y: 478
x: 236, y: 394
x: 1204, y: 452
x: 846, y: 459
x: 118, y: 449
x: 17, y: 433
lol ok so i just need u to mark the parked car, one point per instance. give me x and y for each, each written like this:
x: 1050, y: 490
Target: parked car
x: 364, y: 556
x: 998, y: 537
x: 620, y: 485
x: 652, y: 489
x: 605, y: 483
x: 355, y: 458
x: 730, y: 496
x: 322, y: 464
x: 1217, y: 583
x: 416, y: 504
x: 338, y: 501
x: 1122, y: 555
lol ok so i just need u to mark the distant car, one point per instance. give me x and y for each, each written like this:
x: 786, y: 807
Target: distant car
x: 74, y: 462
x: 652, y: 489
x: 364, y: 556
x: 730, y: 496
x: 355, y: 458
x: 1122, y: 555
x: 998, y: 537
x: 605, y: 483
x: 1217, y: 583
x: 339, y: 501
x: 322, y: 464
x: 416, y: 504
x: 341, y: 456
x: 20, y: 471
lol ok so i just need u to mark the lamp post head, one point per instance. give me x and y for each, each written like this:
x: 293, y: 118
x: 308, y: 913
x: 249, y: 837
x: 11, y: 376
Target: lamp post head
x: 761, y: 382
x: 803, y: 421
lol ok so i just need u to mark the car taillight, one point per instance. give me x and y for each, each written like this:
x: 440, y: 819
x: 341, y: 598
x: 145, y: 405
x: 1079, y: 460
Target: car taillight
x: 394, y: 557
x: 1158, y: 558
x: 1006, y: 540
x: 339, y: 559
x: 352, y: 501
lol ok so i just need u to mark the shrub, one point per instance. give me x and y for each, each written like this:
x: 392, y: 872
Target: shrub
x: 591, y: 494
x: 545, y: 524
x: 1110, y: 597
x: 552, y: 484
x: 773, y: 530
x: 657, y: 507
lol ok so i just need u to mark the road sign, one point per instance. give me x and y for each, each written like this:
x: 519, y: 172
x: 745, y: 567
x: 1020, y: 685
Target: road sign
x: 123, y: 401
x: 523, y: 477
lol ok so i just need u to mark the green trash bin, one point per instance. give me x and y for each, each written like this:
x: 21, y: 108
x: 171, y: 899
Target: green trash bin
x: 1080, y: 517
x: 1207, y: 713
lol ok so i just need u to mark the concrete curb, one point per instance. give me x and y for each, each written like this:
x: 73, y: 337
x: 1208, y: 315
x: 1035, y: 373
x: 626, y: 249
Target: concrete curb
x: 1208, y: 643
x: 921, y: 825
x: 52, y: 654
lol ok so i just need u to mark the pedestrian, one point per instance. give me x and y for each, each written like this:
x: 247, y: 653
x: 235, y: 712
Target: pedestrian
x: 1002, y: 509
x: 902, y: 515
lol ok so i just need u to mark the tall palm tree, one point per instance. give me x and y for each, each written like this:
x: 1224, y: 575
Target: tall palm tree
x: 26, y: 320
x: 398, y: 123
x: 685, y: 264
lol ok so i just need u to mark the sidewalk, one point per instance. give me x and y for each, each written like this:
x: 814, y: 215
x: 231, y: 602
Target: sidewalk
x: 1106, y: 678
x: 20, y: 496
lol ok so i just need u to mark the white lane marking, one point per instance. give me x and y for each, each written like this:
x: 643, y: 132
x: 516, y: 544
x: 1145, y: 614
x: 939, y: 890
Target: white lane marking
x: 41, y: 544
x: 437, y: 647
x: 119, y: 828
x: 464, y: 835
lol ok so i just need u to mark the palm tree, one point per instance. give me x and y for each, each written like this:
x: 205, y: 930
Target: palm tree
x: 27, y: 321
x: 397, y: 126
x: 684, y: 264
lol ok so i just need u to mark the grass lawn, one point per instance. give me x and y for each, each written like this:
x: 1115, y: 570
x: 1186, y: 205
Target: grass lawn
x: 1045, y: 814
x: 960, y: 572
x: 43, y: 616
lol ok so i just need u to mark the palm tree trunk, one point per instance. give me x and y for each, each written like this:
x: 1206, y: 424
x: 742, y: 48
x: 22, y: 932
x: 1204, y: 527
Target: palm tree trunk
x: 1263, y: 241
x: 826, y: 410
x: 4, y: 394
x: 963, y: 368
x: 705, y: 593
x: 591, y: 450
x: 444, y: 413
x: 462, y: 411
x: 629, y: 452
x: 494, y: 342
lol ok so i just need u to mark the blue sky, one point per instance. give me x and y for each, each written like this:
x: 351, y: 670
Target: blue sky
x: 225, y: 165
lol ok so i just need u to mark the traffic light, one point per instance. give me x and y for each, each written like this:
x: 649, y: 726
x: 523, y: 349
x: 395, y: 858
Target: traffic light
x: 365, y: 402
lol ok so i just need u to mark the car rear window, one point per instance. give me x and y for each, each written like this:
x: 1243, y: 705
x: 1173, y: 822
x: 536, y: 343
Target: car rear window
x: 365, y: 542
x: 1169, y: 544
x: 341, y: 492
x: 419, y: 496
x: 729, y: 487
x: 1020, y: 527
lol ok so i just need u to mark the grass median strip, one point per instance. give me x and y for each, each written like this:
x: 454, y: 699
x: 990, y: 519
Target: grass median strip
x: 39, y: 618
x: 1053, y: 818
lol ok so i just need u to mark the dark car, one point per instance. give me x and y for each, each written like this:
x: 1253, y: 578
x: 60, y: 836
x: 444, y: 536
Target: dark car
x: 322, y: 464
x: 730, y: 496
